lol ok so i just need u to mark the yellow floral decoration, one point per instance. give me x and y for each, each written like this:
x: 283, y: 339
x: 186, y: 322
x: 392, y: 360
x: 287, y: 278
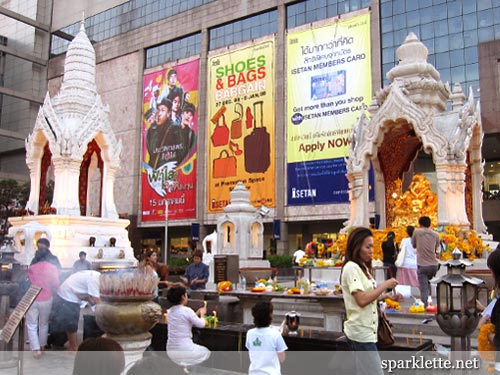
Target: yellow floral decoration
x: 484, y: 346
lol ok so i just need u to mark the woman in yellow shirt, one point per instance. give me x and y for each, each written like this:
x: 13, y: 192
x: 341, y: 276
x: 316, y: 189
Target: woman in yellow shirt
x: 361, y: 294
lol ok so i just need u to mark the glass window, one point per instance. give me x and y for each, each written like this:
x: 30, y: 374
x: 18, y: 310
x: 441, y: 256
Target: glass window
x: 470, y: 38
x: 388, y: 55
x: 252, y: 27
x: 440, y: 12
x: 126, y: 17
x: 386, y: 10
x: 438, y: 2
x: 455, y: 25
x: 331, y: 10
x: 485, y: 18
x: 426, y: 15
x: 442, y: 60
x: 400, y: 36
x: 415, y: 30
x: 441, y: 44
x: 470, y: 22
x: 457, y: 57
x: 472, y: 72
x: 456, y: 41
x: 355, y: 5
x: 399, y: 22
x: 454, y: 9
x: 173, y: 50
x: 343, y: 7
x: 412, y: 18
x: 497, y: 31
x: 458, y: 74
x: 386, y: 25
x: 440, y: 28
x: 429, y: 43
x: 425, y: 3
x: 471, y: 55
x: 387, y: 40
x: 411, y: 5
x: 398, y: 7
x: 495, y: 3
x: 469, y: 7
x: 427, y: 31
x: 483, y: 5
x: 485, y: 34
x: 445, y: 75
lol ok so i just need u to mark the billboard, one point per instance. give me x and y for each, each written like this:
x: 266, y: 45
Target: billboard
x: 169, y: 143
x: 328, y: 82
x: 240, y: 126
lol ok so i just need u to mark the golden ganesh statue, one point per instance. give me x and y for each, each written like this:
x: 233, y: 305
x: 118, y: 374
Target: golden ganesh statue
x: 419, y: 200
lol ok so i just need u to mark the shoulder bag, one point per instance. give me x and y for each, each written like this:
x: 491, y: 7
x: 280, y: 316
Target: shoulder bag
x: 385, y: 337
x: 401, y: 256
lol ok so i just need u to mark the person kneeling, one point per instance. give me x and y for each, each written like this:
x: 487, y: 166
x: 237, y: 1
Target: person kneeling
x: 180, y: 346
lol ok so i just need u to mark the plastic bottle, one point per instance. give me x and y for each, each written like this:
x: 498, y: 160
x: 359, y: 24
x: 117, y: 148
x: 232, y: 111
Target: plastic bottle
x: 243, y: 283
x: 306, y: 287
x: 302, y: 289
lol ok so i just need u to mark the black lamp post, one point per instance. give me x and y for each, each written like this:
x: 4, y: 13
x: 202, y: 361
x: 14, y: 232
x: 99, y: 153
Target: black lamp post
x: 457, y: 313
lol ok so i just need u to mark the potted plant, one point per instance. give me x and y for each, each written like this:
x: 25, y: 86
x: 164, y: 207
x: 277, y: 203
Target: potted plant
x: 283, y: 263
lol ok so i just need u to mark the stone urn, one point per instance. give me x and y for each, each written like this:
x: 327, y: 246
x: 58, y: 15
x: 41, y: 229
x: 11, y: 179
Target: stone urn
x: 126, y: 312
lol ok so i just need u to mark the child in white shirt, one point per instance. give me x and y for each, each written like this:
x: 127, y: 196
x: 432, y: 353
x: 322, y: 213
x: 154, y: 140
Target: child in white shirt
x: 265, y: 345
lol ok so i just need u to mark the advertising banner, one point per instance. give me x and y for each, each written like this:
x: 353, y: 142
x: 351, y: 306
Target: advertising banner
x: 240, y: 125
x: 328, y: 82
x: 169, y: 143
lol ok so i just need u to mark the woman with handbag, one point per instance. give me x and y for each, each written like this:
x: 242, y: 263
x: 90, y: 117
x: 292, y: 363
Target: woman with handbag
x: 361, y: 295
x: 407, y: 261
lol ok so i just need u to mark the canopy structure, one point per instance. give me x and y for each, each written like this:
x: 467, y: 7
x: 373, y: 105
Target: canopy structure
x: 417, y: 111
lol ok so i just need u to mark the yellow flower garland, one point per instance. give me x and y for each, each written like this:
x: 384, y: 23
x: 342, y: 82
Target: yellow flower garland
x: 484, y: 346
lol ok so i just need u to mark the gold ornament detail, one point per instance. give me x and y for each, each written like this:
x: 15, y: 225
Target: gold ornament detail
x: 419, y: 200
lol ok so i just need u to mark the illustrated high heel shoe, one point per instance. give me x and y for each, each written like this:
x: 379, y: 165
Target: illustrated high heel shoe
x: 235, y: 148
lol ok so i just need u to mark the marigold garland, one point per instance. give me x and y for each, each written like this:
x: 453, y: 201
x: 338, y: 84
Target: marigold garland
x: 484, y: 346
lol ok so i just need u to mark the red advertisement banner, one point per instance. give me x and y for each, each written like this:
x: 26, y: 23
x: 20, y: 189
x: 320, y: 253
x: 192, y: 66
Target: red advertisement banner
x: 169, y: 143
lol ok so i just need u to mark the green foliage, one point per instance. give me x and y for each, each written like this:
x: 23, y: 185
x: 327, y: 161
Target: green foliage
x: 280, y: 261
x: 9, y: 193
x: 178, y: 262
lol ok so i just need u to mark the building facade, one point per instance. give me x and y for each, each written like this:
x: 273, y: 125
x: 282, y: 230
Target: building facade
x: 278, y: 53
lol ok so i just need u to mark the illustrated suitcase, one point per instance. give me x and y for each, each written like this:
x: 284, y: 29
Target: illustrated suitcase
x: 257, y: 145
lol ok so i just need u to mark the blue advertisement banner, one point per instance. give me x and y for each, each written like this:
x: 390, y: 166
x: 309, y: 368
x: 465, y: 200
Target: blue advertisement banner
x: 321, y: 182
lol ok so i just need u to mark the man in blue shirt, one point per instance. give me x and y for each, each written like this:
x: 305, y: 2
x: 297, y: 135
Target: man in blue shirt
x: 196, y: 274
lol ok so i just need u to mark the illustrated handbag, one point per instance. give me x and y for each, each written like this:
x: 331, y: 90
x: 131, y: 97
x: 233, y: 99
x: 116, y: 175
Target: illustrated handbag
x: 257, y: 145
x: 385, y: 337
x: 224, y: 166
x: 220, y: 137
x: 236, y: 124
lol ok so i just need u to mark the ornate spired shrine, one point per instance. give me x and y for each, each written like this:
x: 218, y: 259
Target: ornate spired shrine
x: 73, y: 141
x: 417, y: 111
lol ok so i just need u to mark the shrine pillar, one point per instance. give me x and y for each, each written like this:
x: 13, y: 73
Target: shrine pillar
x: 33, y: 203
x: 451, y: 195
x: 108, y: 196
x: 67, y: 174
x: 358, y: 196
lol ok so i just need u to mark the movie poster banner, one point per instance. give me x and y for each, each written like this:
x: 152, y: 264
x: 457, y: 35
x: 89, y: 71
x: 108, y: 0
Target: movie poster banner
x: 169, y: 142
x: 240, y: 125
x: 328, y: 81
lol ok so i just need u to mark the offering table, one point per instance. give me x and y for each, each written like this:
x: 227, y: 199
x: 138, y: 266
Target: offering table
x: 332, y: 305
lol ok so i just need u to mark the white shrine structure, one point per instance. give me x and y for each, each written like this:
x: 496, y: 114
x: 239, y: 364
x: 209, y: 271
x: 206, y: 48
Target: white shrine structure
x: 240, y: 230
x: 417, y: 111
x: 73, y: 143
